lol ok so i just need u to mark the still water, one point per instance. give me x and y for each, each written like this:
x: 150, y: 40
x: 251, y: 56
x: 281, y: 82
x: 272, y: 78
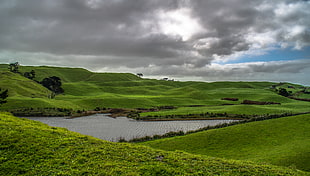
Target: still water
x: 112, y: 129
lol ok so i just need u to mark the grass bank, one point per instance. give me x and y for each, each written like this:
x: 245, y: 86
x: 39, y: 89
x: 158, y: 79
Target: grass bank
x: 33, y: 148
x: 283, y: 141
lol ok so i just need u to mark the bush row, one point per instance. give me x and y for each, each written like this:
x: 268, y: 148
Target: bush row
x: 198, y: 116
x: 43, y: 112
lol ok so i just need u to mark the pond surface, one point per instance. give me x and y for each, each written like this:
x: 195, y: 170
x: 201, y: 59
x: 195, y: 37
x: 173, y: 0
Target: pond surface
x: 112, y: 129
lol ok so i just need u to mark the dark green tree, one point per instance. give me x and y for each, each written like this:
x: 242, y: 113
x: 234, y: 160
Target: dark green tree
x: 3, y: 96
x: 33, y: 74
x: 13, y: 67
x: 30, y: 75
x: 140, y: 75
x: 53, y: 83
x: 283, y: 92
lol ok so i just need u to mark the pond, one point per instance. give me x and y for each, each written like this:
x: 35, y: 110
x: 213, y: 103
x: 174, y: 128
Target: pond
x: 112, y: 129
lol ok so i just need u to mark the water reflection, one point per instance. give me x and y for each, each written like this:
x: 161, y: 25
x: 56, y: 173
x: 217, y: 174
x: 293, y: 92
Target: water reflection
x: 112, y: 129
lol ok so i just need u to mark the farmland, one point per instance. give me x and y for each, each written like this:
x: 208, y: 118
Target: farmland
x: 278, y: 146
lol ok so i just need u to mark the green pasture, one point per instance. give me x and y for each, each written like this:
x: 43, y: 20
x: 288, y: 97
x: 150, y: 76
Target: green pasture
x: 33, y: 148
x: 284, y: 142
x: 294, y: 107
x: 88, y: 90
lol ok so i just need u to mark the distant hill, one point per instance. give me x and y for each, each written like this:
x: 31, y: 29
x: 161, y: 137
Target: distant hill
x: 284, y: 142
x: 72, y: 74
x: 87, y: 90
x: 33, y: 148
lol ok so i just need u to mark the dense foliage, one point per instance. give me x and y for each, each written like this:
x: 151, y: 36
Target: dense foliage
x: 53, y: 83
x: 14, y: 67
x: 3, y: 96
x: 30, y: 75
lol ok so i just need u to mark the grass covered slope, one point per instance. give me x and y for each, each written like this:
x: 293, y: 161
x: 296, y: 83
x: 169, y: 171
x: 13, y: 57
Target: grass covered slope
x: 20, y: 86
x: 88, y: 90
x: 24, y: 92
x: 33, y: 148
x: 284, y: 141
x: 72, y: 74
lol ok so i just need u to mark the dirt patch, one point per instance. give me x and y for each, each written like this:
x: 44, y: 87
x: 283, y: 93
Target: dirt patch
x: 230, y: 99
x: 258, y: 102
x: 300, y: 99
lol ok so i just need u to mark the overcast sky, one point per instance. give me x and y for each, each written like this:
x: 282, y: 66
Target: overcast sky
x: 205, y: 40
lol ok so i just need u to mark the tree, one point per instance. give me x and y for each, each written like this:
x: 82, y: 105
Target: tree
x: 140, y: 75
x: 30, y: 75
x: 13, y: 67
x: 53, y: 83
x: 33, y: 74
x: 284, y: 92
x: 3, y: 96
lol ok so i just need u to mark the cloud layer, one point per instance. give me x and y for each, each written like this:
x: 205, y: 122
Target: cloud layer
x: 182, y: 36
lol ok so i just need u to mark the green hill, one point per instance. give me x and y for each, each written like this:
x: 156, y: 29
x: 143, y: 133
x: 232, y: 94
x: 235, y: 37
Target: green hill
x: 284, y: 141
x: 24, y: 92
x: 20, y: 86
x: 72, y: 74
x: 33, y: 148
x: 87, y: 90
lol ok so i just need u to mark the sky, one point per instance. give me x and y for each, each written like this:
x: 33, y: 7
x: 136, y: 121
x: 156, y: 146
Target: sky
x: 185, y: 40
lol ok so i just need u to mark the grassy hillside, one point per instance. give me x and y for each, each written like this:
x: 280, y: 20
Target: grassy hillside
x: 32, y: 148
x: 71, y: 74
x: 24, y: 92
x: 20, y: 86
x: 88, y: 90
x: 284, y: 141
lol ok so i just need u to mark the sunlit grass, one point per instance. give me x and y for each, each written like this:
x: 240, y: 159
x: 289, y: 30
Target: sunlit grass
x: 87, y: 90
x: 32, y: 148
x: 283, y: 141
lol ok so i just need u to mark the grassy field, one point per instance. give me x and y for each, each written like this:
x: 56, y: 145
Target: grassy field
x: 33, y: 148
x: 284, y: 142
x: 88, y: 90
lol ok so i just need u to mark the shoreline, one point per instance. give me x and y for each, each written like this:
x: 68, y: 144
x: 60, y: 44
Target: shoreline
x: 188, y: 119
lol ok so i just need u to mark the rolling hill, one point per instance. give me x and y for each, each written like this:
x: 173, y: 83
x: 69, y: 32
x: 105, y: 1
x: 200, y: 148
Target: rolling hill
x: 88, y: 90
x: 33, y: 148
x: 284, y: 141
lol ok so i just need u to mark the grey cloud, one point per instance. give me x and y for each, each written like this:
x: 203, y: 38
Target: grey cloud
x: 295, y: 71
x: 230, y: 23
x: 115, y: 27
x: 48, y: 24
x: 114, y: 33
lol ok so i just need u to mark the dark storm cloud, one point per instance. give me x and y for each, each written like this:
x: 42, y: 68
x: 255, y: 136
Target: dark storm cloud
x: 81, y: 28
x: 128, y: 33
x: 129, y: 27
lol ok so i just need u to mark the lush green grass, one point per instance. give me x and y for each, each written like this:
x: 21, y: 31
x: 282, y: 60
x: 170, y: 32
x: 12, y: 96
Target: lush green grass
x: 20, y: 86
x: 294, y: 107
x: 87, y: 90
x: 284, y: 141
x: 72, y: 74
x: 32, y: 148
